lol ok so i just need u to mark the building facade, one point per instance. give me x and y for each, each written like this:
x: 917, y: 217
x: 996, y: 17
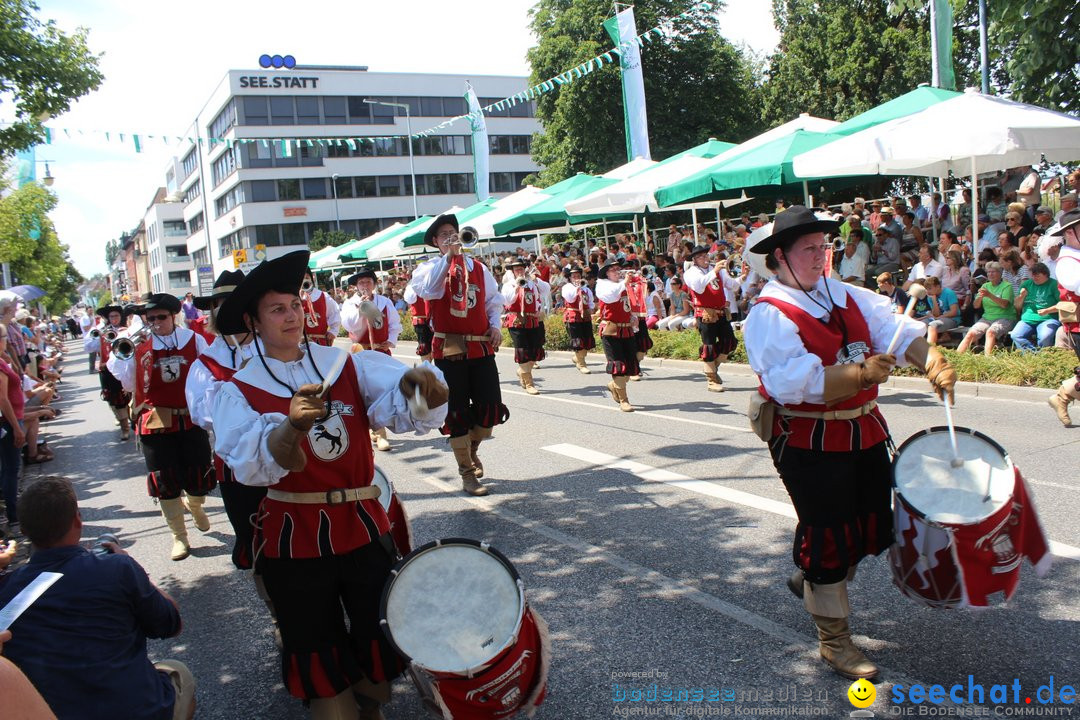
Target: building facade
x: 278, y: 195
x: 170, y: 265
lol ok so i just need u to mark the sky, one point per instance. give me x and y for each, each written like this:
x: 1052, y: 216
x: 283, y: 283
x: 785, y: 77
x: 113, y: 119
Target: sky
x: 162, y: 60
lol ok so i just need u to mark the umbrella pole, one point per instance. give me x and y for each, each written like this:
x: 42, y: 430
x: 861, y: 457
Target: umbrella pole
x: 974, y: 209
x: 584, y: 247
x: 719, y: 226
x: 806, y: 193
x: 932, y: 211
x: 693, y: 218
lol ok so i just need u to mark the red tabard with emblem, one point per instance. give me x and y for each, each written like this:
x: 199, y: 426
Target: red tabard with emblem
x: 315, y: 320
x: 522, y: 310
x: 824, y: 340
x: 637, y: 291
x: 222, y: 373
x: 713, y: 297
x: 475, y: 321
x: 618, y: 312
x: 572, y: 310
x: 343, y: 459
x: 420, y: 311
x: 106, y: 348
x: 1068, y: 295
x: 152, y: 390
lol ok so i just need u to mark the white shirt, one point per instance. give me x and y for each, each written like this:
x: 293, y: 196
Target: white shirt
x: 854, y: 266
x: 1069, y: 271
x: 240, y: 433
x: 353, y: 321
x: 609, y: 292
x: 541, y: 290
x: 429, y: 282
x: 932, y: 269
x: 124, y: 370
x: 790, y: 373
x: 570, y: 295
x: 202, y: 387
x: 697, y: 280
x: 333, y: 312
x: 86, y: 322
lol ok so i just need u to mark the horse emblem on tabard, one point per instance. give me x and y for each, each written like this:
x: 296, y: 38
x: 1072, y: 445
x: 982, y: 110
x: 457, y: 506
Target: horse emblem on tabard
x: 473, y: 292
x: 169, y: 368
x: 311, y: 318
x: 329, y: 438
x: 377, y: 321
x: 529, y: 297
x: 714, y: 284
x: 626, y: 303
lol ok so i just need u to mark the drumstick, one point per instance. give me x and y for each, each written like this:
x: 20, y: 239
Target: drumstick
x: 956, y: 461
x: 917, y: 292
x: 339, y: 364
x: 417, y: 404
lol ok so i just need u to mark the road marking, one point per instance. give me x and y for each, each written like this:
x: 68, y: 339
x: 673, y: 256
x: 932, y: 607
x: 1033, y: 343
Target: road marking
x: 720, y: 492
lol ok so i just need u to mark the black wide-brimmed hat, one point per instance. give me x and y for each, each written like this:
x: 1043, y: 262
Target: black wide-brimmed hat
x: 429, y: 234
x: 571, y: 269
x: 105, y: 310
x: 161, y: 301
x: 283, y: 274
x: 517, y: 262
x: 1067, y: 221
x: 699, y: 250
x: 612, y: 262
x: 226, y: 282
x: 365, y: 272
x: 793, y: 223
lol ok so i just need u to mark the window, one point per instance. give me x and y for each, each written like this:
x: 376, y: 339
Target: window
x: 195, y: 224
x: 281, y: 110
x: 500, y: 144
x: 437, y: 185
x: 520, y: 144
x: 175, y: 228
x: 412, y: 102
x: 307, y: 111
x: 193, y: 192
x: 229, y: 200
x: 315, y: 189
x: 421, y: 185
x: 288, y: 189
x: 366, y: 227
x: 381, y: 114
x: 431, y: 107
x: 259, y: 155
x: 359, y: 111
x: 263, y: 191
x: 523, y: 109
x: 179, y: 279
x: 460, y: 183
x: 389, y: 147
x: 454, y: 106
x: 189, y: 163
x: 176, y: 253
x: 280, y: 158
x: 366, y: 187
x: 268, y: 235
x: 502, y: 182
x: 312, y: 155
x: 233, y: 241
x: 255, y: 110
x: 337, y: 149
x: 224, y: 166
x: 334, y: 110
x: 225, y: 120
x: 343, y: 186
x: 201, y: 257
x: 170, y: 180
x: 389, y: 185
x: 293, y: 234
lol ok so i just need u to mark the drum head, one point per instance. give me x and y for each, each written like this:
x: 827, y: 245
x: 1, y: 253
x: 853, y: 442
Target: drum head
x: 927, y: 482
x: 383, y: 483
x: 452, y: 606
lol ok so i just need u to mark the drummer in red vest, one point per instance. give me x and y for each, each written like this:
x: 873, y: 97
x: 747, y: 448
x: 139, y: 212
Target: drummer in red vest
x: 322, y: 316
x: 578, y: 305
x: 709, y: 288
x: 818, y: 347
x: 617, y: 330
x: 523, y: 295
x: 177, y: 451
x: 294, y: 420
x: 212, y: 369
x: 112, y: 391
x: 1068, y: 277
x: 466, y: 306
x: 421, y: 315
x: 373, y: 322
x: 637, y: 291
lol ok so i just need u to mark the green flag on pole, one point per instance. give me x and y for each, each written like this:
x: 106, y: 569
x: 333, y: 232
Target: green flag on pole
x: 941, y: 37
x: 623, y: 31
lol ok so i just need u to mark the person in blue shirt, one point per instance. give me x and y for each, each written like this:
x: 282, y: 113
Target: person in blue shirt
x: 942, y: 309
x: 83, y: 642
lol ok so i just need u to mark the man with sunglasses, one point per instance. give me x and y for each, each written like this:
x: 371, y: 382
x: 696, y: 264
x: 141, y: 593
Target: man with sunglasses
x: 322, y: 314
x: 176, y: 450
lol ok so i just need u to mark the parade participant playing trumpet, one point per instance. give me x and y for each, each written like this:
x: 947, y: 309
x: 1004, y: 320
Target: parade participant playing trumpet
x: 523, y: 295
x: 578, y: 305
x: 374, y: 324
x: 290, y: 420
x: 322, y: 316
x: 617, y: 331
x: 421, y: 322
x: 709, y: 288
x: 465, y: 309
x: 637, y: 291
x: 154, y: 366
x: 208, y: 373
x: 1068, y: 277
x: 100, y: 340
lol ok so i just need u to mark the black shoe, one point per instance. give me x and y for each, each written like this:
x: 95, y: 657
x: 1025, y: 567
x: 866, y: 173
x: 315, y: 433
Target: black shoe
x: 795, y: 583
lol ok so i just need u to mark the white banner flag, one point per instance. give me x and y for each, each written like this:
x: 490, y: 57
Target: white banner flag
x: 623, y: 32
x: 479, y: 143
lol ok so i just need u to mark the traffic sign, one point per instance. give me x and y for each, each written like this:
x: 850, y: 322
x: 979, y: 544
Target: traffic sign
x: 239, y: 257
x: 260, y: 253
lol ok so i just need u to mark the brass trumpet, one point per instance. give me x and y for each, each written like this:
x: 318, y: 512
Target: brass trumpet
x: 124, y: 347
x: 467, y: 238
x: 110, y: 336
x: 522, y: 281
x: 95, y: 333
x: 734, y: 265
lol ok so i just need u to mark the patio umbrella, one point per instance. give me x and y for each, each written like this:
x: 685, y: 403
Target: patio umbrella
x: 909, y: 103
x: 355, y: 249
x: 385, y: 247
x: 29, y: 293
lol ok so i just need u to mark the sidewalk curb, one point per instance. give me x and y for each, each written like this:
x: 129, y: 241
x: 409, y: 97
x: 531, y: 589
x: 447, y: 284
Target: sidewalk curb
x: 991, y: 391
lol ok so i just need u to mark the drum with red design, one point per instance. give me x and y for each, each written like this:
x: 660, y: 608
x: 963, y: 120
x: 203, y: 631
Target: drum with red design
x: 962, y: 528
x: 456, y: 609
x: 400, y: 527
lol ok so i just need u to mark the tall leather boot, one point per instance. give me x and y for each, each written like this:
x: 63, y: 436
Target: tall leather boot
x: 1066, y: 393
x: 379, y: 438
x: 828, y: 605
x: 476, y: 436
x: 462, y: 447
x: 579, y: 362
x: 371, y: 696
x: 124, y: 422
x: 173, y: 512
x: 713, y: 377
x: 617, y: 386
x: 640, y: 357
x: 194, y: 505
x: 340, y: 707
x: 525, y: 377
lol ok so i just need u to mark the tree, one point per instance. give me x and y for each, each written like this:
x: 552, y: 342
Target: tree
x: 697, y: 85
x: 42, y: 72
x: 28, y: 243
x: 327, y: 238
x: 1040, y: 43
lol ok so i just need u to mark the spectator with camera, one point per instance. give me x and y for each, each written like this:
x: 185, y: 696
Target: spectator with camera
x: 83, y: 642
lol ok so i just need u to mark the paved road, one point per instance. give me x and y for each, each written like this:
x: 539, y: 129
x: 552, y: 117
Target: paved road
x: 652, y: 543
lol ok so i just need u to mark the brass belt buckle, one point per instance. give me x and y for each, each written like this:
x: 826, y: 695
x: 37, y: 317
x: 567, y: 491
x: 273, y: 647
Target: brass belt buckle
x: 337, y: 496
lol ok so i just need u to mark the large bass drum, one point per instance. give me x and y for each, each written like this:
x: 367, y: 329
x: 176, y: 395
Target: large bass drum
x: 400, y: 527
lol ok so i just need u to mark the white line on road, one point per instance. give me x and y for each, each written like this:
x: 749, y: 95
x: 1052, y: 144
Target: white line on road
x: 705, y: 487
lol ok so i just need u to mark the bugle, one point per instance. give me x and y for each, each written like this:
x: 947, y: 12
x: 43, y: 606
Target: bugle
x: 467, y: 238
x: 734, y: 265
x: 95, y: 333
x: 110, y: 336
x: 124, y: 347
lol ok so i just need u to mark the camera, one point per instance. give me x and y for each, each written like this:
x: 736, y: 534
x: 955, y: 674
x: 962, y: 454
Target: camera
x: 100, y: 548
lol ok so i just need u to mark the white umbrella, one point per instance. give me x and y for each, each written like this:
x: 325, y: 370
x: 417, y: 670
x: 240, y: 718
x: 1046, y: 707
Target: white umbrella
x: 635, y: 194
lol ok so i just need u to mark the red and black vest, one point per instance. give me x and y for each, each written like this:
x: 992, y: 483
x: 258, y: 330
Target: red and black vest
x: 825, y: 340
x: 522, y: 311
x: 420, y: 311
x: 475, y: 322
x: 315, y: 321
x: 339, y: 456
x: 221, y: 373
x: 572, y: 311
x: 713, y: 298
x: 160, y: 377
x: 372, y: 335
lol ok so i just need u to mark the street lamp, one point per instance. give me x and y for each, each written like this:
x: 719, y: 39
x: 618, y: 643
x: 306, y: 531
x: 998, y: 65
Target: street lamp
x: 48, y: 180
x: 408, y: 139
x: 337, y: 216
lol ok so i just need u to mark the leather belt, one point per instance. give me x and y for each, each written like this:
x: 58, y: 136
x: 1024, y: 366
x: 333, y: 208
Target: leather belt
x: 829, y: 414
x: 468, y: 338
x: 337, y: 496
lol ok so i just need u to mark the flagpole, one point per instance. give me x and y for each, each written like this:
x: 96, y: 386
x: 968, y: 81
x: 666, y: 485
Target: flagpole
x: 984, y: 51
x: 935, y: 77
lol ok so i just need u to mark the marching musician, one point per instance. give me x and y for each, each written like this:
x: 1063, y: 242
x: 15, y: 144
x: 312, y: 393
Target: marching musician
x: 420, y: 312
x: 617, y: 330
x: 818, y: 347
x: 374, y: 324
x: 709, y: 288
x: 637, y: 291
x: 291, y: 420
x: 523, y: 297
x: 177, y: 451
x: 1068, y: 277
x: 465, y: 306
x: 211, y: 370
x: 100, y: 340
x: 322, y: 315
x: 578, y: 305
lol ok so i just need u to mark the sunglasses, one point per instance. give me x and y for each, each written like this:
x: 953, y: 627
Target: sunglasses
x: 156, y: 318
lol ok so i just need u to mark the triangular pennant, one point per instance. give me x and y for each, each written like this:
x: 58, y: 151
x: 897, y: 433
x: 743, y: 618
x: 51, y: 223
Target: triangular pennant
x: 138, y: 145
x: 48, y: 136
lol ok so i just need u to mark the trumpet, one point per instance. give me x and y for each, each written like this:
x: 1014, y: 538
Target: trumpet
x: 124, y: 348
x: 95, y: 333
x: 110, y: 336
x: 734, y: 265
x: 522, y: 281
x: 467, y: 238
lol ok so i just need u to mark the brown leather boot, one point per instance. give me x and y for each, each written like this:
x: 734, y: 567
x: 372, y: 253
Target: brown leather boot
x: 194, y: 505
x: 839, y: 652
x: 579, y: 362
x: 476, y: 436
x: 1060, y: 402
x: 525, y: 377
x: 715, y: 384
x: 173, y: 511
x: 795, y: 583
x: 462, y: 447
x: 619, y: 393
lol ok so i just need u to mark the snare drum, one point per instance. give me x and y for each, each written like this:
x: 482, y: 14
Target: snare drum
x: 456, y: 610
x: 961, y: 532
x: 400, y: 527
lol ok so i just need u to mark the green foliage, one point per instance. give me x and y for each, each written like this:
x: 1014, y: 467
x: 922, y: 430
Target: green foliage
x: 328, y: 238
x: 40, y: 260
x: 697, y: 86
x: 1040, y: 41
x: 112, y: 248
x: 42, y: 72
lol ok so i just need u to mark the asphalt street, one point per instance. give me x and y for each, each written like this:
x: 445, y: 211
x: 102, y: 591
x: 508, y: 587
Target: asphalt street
x: 655, y: 544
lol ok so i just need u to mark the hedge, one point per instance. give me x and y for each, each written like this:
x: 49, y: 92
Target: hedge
x: 1045, y: 369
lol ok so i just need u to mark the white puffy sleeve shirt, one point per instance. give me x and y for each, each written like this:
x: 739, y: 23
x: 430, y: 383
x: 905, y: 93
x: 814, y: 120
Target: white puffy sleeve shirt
x: 609, y: 292
x: 202, y: 387
x: 570, y: 295
x: 355, y: 323
x: 429, y: 282
x: 240, y: 433
x: 790, y: 373
x: 124, y: 370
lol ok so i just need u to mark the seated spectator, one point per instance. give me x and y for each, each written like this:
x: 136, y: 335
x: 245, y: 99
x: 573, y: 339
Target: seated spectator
x: 943, y: 310
x: 926, y: 267
x: 911, y: 240
x: 887, y: 287
x: 890, y: 223
x: 654, y: 304
x: 885, y: 255
x: 956, y: 276
x: 1013, y: 269
x: 995, y: 299
x: 856, y: 228
x: 852, y: 266
x: 681, y: 314
x: 1038, y: 316
x: 83, y: 642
